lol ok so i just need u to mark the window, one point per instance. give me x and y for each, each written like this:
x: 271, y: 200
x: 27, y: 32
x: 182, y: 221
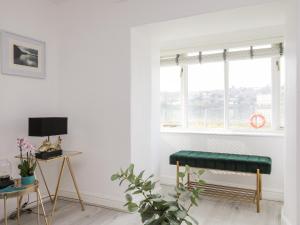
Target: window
x: 250, y: 92
x: 206, y: 95
x: 237, y: 89
x: 171, y: 102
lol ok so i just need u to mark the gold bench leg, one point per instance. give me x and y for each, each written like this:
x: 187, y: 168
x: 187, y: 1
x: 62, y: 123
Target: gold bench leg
x: 189, y: 180
x: 177, y: 173
x: 258, y: 190
x: 260, y: 186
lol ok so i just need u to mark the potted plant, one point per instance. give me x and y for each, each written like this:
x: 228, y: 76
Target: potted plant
x: 154, y: 208
x: 27, y: 162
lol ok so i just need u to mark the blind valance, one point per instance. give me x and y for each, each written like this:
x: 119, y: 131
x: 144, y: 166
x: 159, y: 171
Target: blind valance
x: 184, y: 59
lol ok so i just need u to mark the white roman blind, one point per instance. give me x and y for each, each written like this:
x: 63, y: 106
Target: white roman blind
x: 227, y: 54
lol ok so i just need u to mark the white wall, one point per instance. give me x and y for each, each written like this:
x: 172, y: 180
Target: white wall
x: 145, y: 102
x: 96, y: 81
x: 271, y: 146
x: 291, y: 198
x: 22, y: 97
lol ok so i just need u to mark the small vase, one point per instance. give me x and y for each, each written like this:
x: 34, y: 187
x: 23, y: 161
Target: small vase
x: 27, y: 180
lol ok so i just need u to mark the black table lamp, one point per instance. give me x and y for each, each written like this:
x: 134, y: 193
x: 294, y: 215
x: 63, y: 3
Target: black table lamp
x: 46, y: 127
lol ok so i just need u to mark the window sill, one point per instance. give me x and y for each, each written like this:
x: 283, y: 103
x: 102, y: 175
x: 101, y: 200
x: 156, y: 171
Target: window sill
x: 278, y: 133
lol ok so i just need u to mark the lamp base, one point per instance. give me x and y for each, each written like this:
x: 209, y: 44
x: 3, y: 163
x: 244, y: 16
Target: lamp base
x: 48, y: 155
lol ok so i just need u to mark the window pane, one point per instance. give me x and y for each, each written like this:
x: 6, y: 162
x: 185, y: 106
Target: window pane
x: 170, y: 96
x: 250, y: 98
x: 206, y: 95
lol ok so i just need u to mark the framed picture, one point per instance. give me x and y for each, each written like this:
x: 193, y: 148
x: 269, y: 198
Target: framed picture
x: 22, y: 56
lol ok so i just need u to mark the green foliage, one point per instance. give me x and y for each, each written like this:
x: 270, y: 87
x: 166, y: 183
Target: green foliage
x: 155, y: 209
x: 27, y: 166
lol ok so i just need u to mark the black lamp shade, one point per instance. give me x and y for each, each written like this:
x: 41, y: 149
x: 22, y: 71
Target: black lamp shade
x: 47, y: 126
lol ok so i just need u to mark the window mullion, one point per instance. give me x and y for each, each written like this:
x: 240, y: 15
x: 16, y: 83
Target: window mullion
x: 226, y: 94
x: 184, y: 95
x: 275, y: 93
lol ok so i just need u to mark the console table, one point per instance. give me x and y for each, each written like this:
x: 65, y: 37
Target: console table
x: 66, y: 162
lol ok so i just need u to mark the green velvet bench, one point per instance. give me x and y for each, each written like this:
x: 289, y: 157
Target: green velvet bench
x: 249, y: 164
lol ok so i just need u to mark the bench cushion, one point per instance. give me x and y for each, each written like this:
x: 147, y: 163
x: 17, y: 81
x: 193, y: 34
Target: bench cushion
x: 223, y: 161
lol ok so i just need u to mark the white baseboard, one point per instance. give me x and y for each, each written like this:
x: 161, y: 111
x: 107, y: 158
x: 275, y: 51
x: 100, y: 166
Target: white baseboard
x: 104, y: 201
x: 268, y: 194
x: 284, y: 219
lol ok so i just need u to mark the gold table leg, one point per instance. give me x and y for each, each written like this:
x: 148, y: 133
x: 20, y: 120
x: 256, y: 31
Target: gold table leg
x: 5, y: 210
x: 38, y: 207
x: 57, y: 188
x: 18, y: 210
x: 42, y: 205
x: 75, y: 183
x: 44, y: 179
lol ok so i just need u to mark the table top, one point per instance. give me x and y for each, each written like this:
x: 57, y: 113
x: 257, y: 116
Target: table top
x: 13, y: 192
x: 65, y: 154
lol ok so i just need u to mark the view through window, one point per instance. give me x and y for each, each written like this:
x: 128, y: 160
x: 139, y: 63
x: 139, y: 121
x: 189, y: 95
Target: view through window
x: 206, y: 95
x: 233, y: 94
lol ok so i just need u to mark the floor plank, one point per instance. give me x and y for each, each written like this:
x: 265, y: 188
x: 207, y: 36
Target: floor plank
x: 209, y: 212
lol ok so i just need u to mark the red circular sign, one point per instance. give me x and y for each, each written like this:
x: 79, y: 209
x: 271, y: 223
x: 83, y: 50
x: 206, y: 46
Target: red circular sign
x: 257, y: 121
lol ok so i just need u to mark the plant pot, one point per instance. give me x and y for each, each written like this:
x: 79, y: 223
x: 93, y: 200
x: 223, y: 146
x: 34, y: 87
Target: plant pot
x: 27, y: 180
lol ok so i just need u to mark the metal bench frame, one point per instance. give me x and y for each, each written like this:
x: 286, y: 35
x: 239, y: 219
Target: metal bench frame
x: 228, y: 192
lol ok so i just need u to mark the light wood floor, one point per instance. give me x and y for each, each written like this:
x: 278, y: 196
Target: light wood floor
x: 209, y: 212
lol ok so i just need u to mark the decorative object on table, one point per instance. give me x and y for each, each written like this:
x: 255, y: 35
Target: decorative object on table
x: 5, y: 173
x: 48, y: 126
x: 22, y: 56
x: 155, y: 208
x: 27, y: 161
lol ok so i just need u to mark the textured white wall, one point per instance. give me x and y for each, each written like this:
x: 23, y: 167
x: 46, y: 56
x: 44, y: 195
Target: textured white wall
x: 22, y: 97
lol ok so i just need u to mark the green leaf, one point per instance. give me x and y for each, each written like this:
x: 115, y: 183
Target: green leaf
x: 131, y: 168
x: 200, y: 172
x: 173, y: 209
x: 131, y: 178
x: 141, y: 174
x: 137, y: 192
x: 181, y: 174
x: 115, y: 177
x: 187, y: 168
x: 128, y: 197
x: 193, y: 200
x: 132, y: 207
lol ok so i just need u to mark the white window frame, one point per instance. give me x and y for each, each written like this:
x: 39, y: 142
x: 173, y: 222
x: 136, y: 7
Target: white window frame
x: 275, y: 85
